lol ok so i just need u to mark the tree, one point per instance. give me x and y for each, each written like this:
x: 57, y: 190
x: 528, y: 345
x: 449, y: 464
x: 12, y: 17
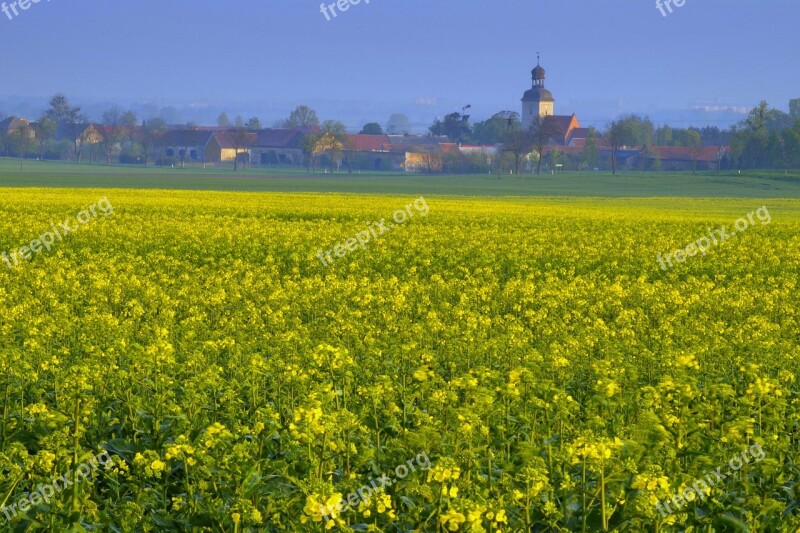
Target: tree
x: 45, y: 129
x: 150, y: 138
x: 70, y: 119
x: 619, y: 134
x: 5, y: 142
x: 398, y: 125
x: 22, y: 136
x: 302, y: 117
x: 542, y: 130
x: 791, y: 143
x: 688, y: 138
x: 334, y: 127
x: 695, y: 148
x: 639, y: 130
x: 253, y: 124
x: 756, y: 121
x: 78, y: 132
x: 455, y: 126
x: 493, y: 130
x: 590, y: 154
x: 519, y: 144
x: 713, y: 136
x: 664, y: 136
x: 129, y: 122
x: 794, y: 108
x: 186, y: 135
x: 60, y: 110
x: 223, y: 121
x: 555, y: 158
x: 750, y: 143
x: 308, y: 145
x: 432, y: 161
x: 372, y: 128
x: 332, y: 141
x: 241, y: 139
x: 112, y: 131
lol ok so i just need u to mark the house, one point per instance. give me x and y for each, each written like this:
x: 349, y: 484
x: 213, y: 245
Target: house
x: 560, y: 128
x: 278, y: 147
x: 683, y: 158
x: 12, y: 126
x: 371, y: 152
x: 206, y: 145
x: 186, y: 145
x: 225, y: 146
x: 9, y: 133
x: 421, y: 153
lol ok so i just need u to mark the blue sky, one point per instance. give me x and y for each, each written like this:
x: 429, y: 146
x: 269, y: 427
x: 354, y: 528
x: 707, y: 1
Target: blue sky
x: 421, y: 57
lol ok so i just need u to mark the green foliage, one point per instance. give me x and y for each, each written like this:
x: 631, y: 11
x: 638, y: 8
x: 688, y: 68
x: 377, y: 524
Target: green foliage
x: 372, y: 128
x: 302, y: 116
x: 455, y: 126
x: 495, y: 129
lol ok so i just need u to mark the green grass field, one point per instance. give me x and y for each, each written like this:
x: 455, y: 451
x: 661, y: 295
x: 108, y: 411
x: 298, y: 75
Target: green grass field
x: 754, y: 184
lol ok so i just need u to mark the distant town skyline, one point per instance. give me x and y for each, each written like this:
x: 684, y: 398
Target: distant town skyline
x: 706, y: 63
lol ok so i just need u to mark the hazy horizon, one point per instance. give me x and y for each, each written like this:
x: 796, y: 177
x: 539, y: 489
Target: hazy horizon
x: 419, y: 58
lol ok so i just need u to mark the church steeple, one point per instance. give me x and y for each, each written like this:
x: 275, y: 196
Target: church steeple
x: 537, y: 101
x: 538, y: 73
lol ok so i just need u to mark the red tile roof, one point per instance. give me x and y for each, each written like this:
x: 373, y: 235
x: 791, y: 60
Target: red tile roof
x: 561, y: 126
x: 448, y: 148
x: 367, y: 143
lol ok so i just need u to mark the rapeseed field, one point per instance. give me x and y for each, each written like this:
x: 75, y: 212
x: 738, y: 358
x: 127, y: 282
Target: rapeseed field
x: 184, y: 361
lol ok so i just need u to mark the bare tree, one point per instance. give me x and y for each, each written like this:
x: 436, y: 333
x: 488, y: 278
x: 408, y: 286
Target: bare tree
x: 112, y: 131
x: 542, y: 131
x: 241, y: 139
x: 150, y: 138
x: 23, y: 134
x: 77, y: 128
x: 328, y: 143
x: 44, y: 129
x: 302, y: 116
x: 618, y: 134
x: 186, y: 134
x: 129, y: 122
x: 519, y: 144
x: 695, y: 149
x: 309, y: 143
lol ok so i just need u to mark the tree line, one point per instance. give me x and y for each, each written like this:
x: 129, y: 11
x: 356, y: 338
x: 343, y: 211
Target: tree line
x: 767, y: 138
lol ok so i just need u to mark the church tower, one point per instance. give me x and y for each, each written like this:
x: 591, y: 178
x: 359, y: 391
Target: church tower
x: 537, y: 101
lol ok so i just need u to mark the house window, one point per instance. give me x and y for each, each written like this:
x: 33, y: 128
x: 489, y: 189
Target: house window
x: 170, y: 152
x: 193, y: 154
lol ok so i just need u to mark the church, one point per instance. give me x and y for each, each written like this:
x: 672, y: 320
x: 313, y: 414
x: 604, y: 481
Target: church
x: 538, y: 102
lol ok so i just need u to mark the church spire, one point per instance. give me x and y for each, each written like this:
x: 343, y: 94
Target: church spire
x: 538, y: 73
